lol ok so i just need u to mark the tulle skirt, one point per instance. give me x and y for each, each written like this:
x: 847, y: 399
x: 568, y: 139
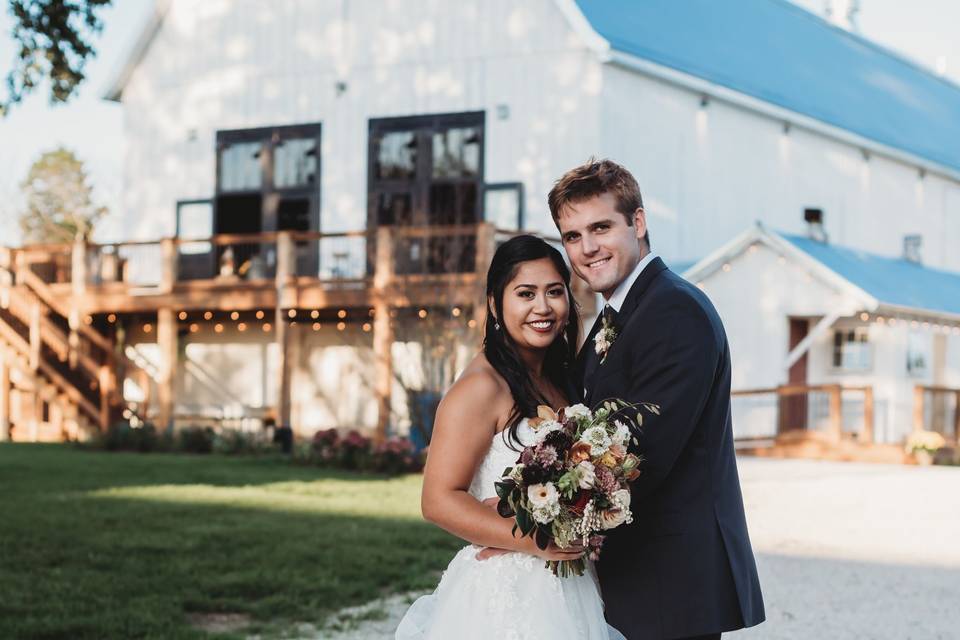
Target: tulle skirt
x: 508, y: 597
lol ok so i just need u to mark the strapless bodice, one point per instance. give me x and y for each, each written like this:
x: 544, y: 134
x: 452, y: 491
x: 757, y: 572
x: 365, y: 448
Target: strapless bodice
x: 502, y: 454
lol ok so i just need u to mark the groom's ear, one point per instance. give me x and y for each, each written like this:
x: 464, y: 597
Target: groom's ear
x: 640, y: 223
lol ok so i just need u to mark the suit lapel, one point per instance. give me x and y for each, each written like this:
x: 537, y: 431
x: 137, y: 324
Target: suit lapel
x: 640, y: 285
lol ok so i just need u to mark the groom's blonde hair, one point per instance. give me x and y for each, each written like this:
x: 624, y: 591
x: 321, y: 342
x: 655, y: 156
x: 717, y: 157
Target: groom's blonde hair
x: 595, y: 178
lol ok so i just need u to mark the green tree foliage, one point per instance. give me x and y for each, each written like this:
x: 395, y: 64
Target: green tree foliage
x: 59, y: 206
x: 54, y: 43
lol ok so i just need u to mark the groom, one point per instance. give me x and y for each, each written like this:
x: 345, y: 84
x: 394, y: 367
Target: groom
x: 684, y: 568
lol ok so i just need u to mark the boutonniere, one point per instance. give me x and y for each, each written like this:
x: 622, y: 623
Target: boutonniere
x: 604, y: 339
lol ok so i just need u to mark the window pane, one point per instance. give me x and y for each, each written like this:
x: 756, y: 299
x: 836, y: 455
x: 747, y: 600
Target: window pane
x: 295, y: 163
x: 502, y: 208
x: 195, y: 220
x: 453, y: 203
x: 240, y: 167
x: 397, y: 156
x: 456, y: 153
x: 394, y: 208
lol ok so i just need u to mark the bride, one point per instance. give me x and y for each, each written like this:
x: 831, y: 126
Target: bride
x: 498, y: 587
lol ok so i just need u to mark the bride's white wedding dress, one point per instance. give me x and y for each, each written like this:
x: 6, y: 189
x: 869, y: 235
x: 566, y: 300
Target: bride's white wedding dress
x: 508, y: 597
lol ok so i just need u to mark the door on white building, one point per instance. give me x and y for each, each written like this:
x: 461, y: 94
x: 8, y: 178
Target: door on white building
x: 427, y: 171
x: 794, y: 408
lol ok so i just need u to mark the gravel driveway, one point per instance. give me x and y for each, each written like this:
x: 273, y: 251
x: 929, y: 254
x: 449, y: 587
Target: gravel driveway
x: 846, y: 552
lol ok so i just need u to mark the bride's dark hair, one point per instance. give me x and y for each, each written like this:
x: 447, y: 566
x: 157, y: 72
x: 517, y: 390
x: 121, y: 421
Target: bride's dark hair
x: 501, y: 350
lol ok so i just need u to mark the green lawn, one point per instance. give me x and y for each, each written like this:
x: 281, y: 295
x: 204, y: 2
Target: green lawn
x: 117, y: 545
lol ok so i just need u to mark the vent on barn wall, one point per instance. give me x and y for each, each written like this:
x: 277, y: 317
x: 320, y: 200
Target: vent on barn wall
x: 912, y: 248
x: 815, y: 228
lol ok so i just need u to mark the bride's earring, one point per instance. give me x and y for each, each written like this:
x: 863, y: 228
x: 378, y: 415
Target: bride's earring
x: 496, y: 326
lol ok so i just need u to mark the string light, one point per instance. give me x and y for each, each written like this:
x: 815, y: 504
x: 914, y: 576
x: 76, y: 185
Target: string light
x: 456, y: 312
x: 341, y: 326
x: 316, y: 326
x: 111, y: 318
x: 234, y: 315
x: 881, y: 320
x: 342, y: 313
x: 314, y: 314
x: 259, y: 315
x: 88, y: 319
x: 242, y: 326
x: 207, y: 315
x: 371, y: 313
x: 182, y: 315
x: 194, y: 327
x: 472, y: 324
x: 865, y: 316
x: 292, y: 313
x: 266, y: 327
x: 366, y: 327
x: 422, y: 313
x: 147, y: 328
x: 218, y: 328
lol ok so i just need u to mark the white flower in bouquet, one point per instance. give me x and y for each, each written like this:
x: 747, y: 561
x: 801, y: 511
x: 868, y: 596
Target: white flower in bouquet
x: 543, y: 495
x: 621, y: 498
x: 542, y: 430
x: 622, y: 434
x: 546, y: 513
x: 613, y: 518
x: 588, y: 476
x: 577, y: 411
x: 598, y: 439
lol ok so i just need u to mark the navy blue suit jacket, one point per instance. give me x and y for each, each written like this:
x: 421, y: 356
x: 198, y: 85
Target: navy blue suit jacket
x: 685, y: 566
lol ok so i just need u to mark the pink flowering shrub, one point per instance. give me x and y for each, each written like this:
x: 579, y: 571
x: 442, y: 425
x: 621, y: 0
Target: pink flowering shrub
x: 354, y: 451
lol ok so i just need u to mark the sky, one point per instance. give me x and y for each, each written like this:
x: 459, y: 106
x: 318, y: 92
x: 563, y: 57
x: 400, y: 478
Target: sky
x: 92, y: 127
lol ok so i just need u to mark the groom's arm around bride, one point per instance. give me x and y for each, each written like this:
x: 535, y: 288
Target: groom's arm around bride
x: 685, y: 567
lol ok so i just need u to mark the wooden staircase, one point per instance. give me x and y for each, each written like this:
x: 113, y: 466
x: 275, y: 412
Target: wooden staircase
x: 62, y: 362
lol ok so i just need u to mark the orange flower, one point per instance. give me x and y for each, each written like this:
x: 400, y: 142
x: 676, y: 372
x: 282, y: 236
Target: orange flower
x: 619, y: 453
x: 579, y: 452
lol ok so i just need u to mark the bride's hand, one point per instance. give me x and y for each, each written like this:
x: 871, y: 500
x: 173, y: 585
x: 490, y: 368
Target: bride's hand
x: 553, y: 552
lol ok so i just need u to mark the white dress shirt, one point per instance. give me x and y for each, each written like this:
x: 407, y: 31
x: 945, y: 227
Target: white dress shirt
x: 620, y: 293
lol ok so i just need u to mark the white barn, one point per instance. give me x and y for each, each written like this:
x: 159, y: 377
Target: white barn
x: 243, y: 116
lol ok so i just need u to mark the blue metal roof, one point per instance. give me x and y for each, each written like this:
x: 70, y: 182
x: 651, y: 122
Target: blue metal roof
x: 779, y: 53
x: 891, y: 281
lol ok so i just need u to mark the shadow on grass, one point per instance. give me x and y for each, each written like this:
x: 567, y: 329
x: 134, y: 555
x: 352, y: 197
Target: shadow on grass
x: 124, y: 545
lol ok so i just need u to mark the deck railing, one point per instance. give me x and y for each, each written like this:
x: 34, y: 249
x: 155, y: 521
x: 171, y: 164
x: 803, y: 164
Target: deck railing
x: 344, y: 257
x: 835, y: 410
x: 937, y: 409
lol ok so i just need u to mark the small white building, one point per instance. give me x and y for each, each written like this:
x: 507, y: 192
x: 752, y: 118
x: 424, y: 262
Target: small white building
x: 804, y: 312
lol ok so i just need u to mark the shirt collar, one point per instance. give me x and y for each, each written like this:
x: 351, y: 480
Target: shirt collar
x: 620, y: 293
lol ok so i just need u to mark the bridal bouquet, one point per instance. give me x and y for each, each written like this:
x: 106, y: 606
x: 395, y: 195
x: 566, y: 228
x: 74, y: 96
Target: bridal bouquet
x: 571, y: 483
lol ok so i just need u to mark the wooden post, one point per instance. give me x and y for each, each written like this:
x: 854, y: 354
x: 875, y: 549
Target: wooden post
x: 4, y: 396
x: 486, y: 247
x: 78, y: 276
x: 167, y: 343
x: 168, y: 268
x: 956, y: 417
x: 104, y: 381
x: 918, y: 399
x: 285, y: 255
x: 866, y: 435
x: 35, y: 340
x: 383, y: 333
x: 836, y: 414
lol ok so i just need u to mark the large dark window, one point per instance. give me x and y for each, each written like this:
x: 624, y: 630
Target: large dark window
x: 268, y: 179
x: 428, y: 171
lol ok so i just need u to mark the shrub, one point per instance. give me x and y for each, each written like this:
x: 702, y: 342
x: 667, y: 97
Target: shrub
x: 120, y: 436
x: 355, y: 451
x: 236, y: 442
x: 195, y: 440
